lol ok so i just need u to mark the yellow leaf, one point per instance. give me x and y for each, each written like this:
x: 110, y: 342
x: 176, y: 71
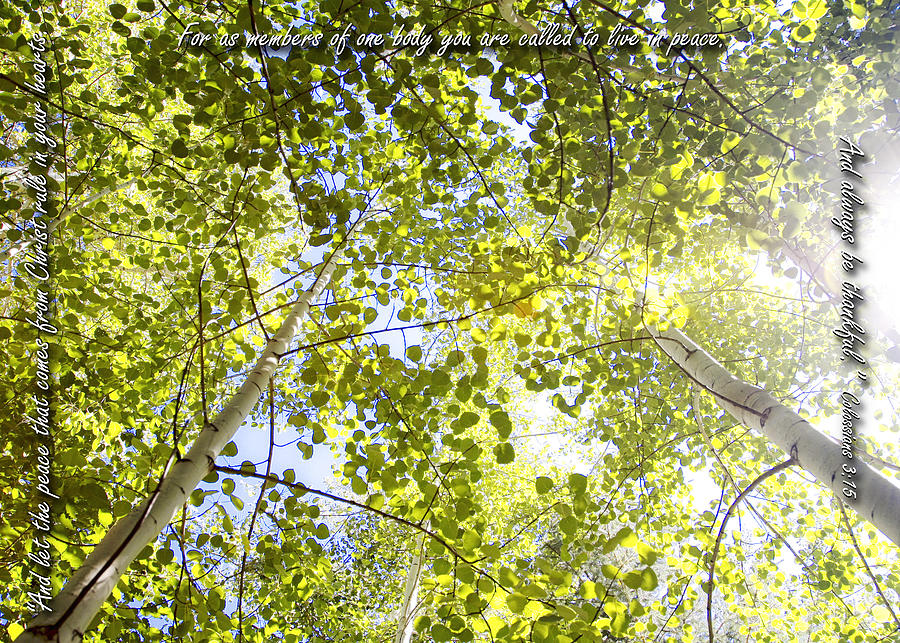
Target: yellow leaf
x: 816, y: 9
x: 881, y: 614
x: 755, y: 239
x: 108, y: 243
x: 712, y: 198
x: 588, y: 590
x: 524, y: 309
x: 14, y: 630
x: 680, y: 316
x: 729, y: 143
x: 805, y: 32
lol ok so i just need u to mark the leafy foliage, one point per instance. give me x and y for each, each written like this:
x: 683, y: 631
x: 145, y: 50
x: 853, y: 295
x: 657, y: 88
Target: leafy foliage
x: 525, y: 213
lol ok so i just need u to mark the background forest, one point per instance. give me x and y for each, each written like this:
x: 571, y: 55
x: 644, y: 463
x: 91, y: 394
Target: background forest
x: 560, y: 314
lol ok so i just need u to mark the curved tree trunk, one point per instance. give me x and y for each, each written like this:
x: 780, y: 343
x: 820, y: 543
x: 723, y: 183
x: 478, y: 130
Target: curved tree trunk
x: 90, y: 586
x: 877, y: 501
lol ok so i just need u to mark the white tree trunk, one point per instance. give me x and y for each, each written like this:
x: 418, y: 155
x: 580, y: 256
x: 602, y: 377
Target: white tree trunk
x: 81, y: 597
x: 406, y: 617
x: 878, y: 500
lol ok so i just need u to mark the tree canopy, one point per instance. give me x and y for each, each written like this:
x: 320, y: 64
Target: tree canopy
x: 454, y: 245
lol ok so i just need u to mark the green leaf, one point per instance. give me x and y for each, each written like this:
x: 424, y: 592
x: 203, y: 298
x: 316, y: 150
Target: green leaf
x: 632, y: 580
x: 500, y: 420
x: 649, y: 581
x: 468, y: 419
x: 618, y: 614
x: 516, y: 602
x: 624, y: 537
x: 588, y: 590
x: 646, y: 553
x: 577, y: 483
x: 471, y: 540
x: 755, y: 239
x: 729, y: 143
x: 504, y: 453
x: 543, y: 484
x: 569, y: 525
x: 354, y: 120
x: 179, y: 148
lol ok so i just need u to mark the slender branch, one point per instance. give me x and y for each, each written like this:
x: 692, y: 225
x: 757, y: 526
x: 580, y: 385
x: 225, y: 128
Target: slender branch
x: 24, y: 243
x: 80, y: 599
x: 865, y: 563
x: 347, y: 501
x: 712, y: 562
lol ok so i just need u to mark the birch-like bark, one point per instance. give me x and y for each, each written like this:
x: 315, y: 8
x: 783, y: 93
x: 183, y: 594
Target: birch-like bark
x: 90, y: 586
x: 878, y: 500
x: 407, y: 615
x: 881, y: 321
